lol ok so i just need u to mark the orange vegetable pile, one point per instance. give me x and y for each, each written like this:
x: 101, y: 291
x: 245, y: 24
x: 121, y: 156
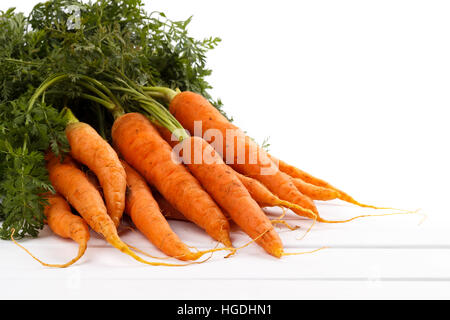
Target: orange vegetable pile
x: 150, y: 141
x: 198, y: 184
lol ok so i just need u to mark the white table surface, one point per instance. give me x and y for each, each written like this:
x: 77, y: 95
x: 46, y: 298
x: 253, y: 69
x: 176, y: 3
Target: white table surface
x: 400, y: 256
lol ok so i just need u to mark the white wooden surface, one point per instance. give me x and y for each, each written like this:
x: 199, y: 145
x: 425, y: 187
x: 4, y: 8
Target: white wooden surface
x: 378, y: 257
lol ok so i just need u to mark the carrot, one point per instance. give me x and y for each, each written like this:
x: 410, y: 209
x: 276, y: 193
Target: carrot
x: 72, y: 184
x: 65, y: 224
x: 89, y: 148
x: 143, y: 148
x: 189, y: 107
x: 146, y: 215
x: 227, y: 190
x: 307, y: 178
x: 225, y: 186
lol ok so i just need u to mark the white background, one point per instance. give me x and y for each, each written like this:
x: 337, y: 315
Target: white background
x: 355, y: 92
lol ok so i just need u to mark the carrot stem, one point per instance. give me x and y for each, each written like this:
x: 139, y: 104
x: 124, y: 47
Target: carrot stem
x: 111, y: 104
x: 44, y: 85
x: 168, y: 93
x: 155, y: 111
x: 69, y: 116
x: 94, y: 89
x: 108, y: 105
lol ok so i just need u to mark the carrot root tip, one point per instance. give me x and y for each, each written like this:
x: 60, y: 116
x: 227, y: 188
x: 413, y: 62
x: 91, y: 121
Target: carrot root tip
x: 81, y: 250
x: 304, y: 252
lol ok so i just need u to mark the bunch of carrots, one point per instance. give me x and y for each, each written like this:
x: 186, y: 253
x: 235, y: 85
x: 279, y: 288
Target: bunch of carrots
x: 156, y: 169
x: 166, y: 153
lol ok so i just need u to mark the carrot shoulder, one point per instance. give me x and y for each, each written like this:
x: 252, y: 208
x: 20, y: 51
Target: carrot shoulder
x: 143, y: 148
x: 89, y: 148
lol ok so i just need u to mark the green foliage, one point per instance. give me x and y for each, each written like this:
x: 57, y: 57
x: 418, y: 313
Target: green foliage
x: 24, y: 177
x: 12, y: 42
x: 149, y: 49
x: 24, y: 136
x: 114, y: 38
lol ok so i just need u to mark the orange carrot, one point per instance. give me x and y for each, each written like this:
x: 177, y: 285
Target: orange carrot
x: 65, y: 224
x: 146, y: 215
x: 89, y: 148
x: 143, y: 148
x: 225, y: 186
x: 189, y: 107
x: 227, y: 190
x: 73, y: 185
